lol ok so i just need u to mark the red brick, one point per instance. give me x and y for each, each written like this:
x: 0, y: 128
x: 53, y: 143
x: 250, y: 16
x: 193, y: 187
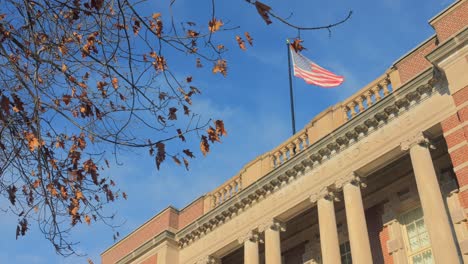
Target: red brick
x: 378, y: 235
x: 459, y: 156
x: 190, y: 213
x: 452, y: 22
x: 455, y: 138
x: 464, y: 199
x: 462, y: 177
x: 155, y: 226
x: 463, y: 114
x: 416, y: 62
x: 460, y: 96
x: 450, y: 123
x: 151, y: 260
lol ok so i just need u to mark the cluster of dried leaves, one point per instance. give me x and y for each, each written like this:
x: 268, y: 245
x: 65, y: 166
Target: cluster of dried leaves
x: 82, y: 77
x: 78, y: 77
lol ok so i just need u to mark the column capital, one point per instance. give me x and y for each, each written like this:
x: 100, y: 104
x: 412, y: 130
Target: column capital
x: 208, y: 260
x: 272, y: 224
x: 418, y: 138
x: 351, y: 178
x: 253, y: 236
x: 327, y: 193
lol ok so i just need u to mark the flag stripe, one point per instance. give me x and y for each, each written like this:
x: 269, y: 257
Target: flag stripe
x: 318, y: 76
x: 313, y: 73
x: 301, y: 73
x: 321, y: 82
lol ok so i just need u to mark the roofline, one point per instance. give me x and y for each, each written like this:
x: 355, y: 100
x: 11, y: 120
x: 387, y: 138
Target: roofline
x: 138, y: 228
x: 434, y: 36
x: 444, y: 10
x: 149, y: 220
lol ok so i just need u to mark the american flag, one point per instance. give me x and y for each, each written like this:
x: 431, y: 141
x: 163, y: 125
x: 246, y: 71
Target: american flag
x: 312, y: 73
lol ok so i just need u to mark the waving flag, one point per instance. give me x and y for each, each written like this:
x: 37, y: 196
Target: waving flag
x: 313, y: 73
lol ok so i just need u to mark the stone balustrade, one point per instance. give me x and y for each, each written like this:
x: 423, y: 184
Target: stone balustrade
x: 366, y: 97
x: 226, y: 191
x: 288, y: 149
x: 319, y: 127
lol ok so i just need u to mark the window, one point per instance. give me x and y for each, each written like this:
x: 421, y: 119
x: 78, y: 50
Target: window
x: 345, y: 252
x: 417, y: 240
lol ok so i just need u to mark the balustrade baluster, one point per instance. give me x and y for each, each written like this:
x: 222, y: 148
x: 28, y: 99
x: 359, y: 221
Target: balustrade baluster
x: 351, y: 108
x: 375, y: 90
x: 218, y: 198
x: 285, y: 154
x: 239, y: 184
x: 278, y: 158
x: 232, y: 185
x: 368, y: 96
x: 361, y: 105
x: 291, y: 150
x: 384, y: 85
x: 304, y: 141
x: 297, y: 144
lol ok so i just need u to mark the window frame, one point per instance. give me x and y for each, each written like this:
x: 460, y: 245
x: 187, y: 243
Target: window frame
x: 403, y: 226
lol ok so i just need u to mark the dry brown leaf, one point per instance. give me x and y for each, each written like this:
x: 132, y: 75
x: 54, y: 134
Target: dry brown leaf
x: 241, y: 43
x: 220, y: 67
x: 204, y: 145
x: 214, y: 25
x: 115, y: 83
x: 263, y: 10
x: 249, y: 38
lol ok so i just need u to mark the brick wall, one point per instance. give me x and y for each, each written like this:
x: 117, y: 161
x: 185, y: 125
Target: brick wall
x: 151, y: 260
x: 451, y: 22
x: 191, y: 212
x: 416, y: 62
x: 378, y: 235
x: 167, y: 219
x: 170, y: 218
x: 455, y: 130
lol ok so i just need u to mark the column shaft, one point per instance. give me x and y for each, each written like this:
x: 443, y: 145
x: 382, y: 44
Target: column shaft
x: 357, y: 227
x: 272, y: 246
x: 435, y: 215
x: 251, y: 252
x: 328, y: 232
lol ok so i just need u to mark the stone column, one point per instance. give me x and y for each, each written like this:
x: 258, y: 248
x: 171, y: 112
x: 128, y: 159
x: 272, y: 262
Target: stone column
x: 329, y: 243
x: 356, y: 220
x: 273, y: 243
x: 435, y: 215
x: 250, y: 242
x: 208, y: 260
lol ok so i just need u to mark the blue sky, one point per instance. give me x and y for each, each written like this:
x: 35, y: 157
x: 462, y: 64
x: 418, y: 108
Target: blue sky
x: 252, y: 100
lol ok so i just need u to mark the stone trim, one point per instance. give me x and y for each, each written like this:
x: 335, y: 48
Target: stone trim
x: 448, y: 46
x: 157, y: 240
x: 253, y: 236
x: 375, y: 117
x: 416, y: 139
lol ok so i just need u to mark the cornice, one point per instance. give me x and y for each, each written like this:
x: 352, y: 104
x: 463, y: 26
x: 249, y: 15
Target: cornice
x: 449, y: 46
x: 372, y: 119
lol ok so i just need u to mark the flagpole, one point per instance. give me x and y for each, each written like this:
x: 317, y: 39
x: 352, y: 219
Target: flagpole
x: 291, y: 89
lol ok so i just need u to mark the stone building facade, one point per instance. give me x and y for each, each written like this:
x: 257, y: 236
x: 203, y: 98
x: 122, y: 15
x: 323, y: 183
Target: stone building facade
x: 379, y: 178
